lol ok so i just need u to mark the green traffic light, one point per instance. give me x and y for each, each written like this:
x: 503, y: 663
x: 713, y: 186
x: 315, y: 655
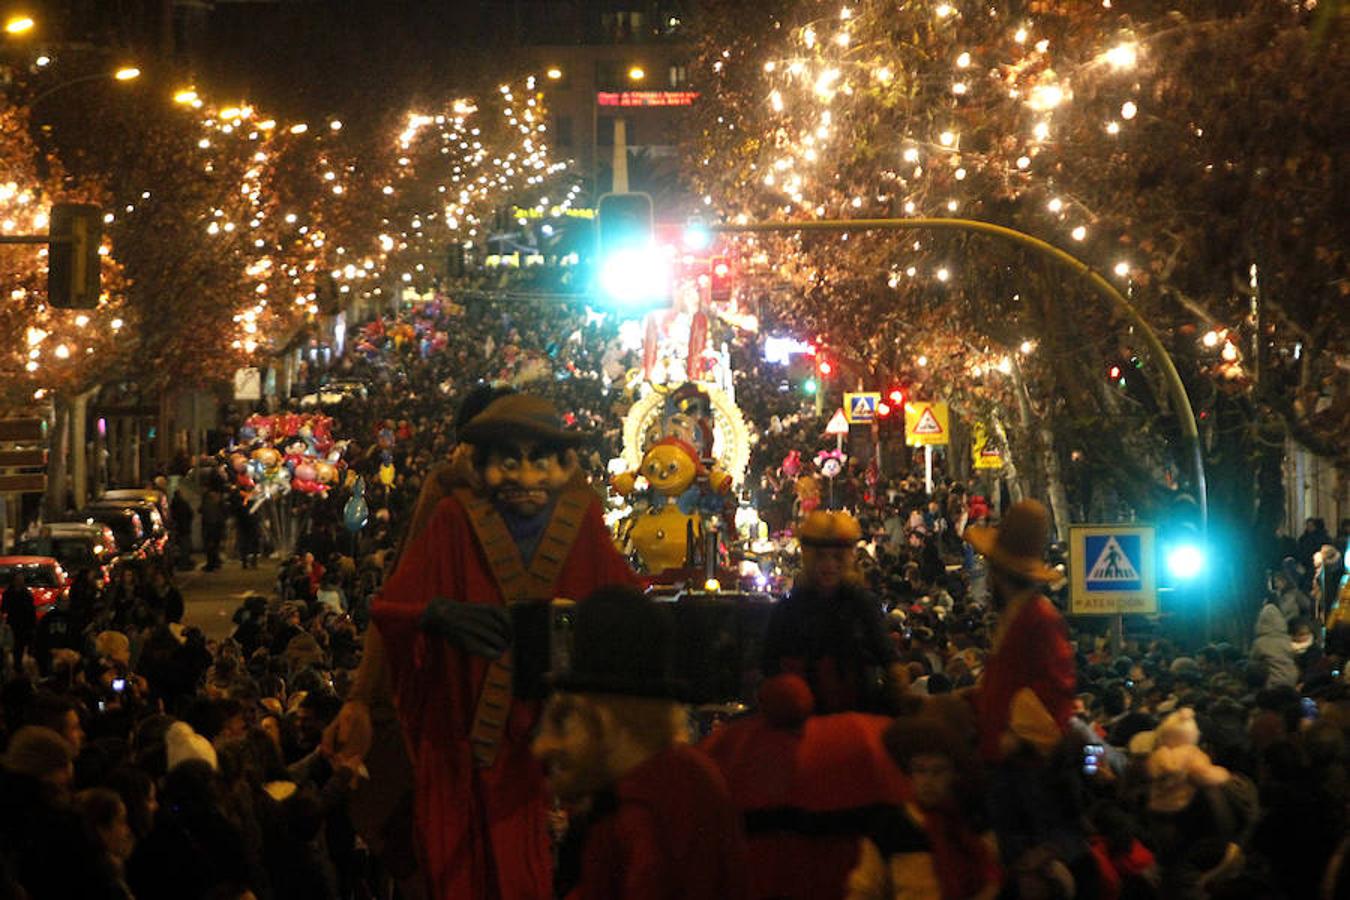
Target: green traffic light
x: 810, y: 386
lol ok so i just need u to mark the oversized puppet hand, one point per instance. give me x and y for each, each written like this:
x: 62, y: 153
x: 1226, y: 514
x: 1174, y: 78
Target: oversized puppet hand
x: 472, y: 627
x: 624, y: 483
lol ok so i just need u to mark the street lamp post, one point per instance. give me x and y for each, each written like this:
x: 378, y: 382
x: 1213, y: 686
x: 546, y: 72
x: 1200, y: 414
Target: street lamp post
x: 1176, y: 389
x: 127, y: 73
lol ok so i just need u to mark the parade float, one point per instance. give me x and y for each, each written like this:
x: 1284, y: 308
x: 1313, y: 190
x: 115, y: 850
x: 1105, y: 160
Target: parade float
x: 686, y: 447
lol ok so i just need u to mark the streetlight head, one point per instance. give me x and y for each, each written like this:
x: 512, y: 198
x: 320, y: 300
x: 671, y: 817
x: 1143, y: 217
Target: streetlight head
x: 554, y: 73
x: 185, y: 97
x: 19, y: 25
x: 127, y: 73
x: 637, y: 73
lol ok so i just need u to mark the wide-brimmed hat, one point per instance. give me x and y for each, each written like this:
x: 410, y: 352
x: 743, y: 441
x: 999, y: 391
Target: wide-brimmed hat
x: 623, y: 643
x: 520, y: 416
x: 1017, y: 544
x: 829, y: 528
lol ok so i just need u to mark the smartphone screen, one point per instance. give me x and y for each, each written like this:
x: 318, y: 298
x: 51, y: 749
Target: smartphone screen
x: 1092, y: 756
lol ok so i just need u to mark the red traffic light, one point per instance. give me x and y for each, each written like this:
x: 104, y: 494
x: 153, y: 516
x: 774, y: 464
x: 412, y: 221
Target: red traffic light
x: 720, y: 281
x: 824, y: 367
x: 1114, y: 372
x: 883, y: 409
x: 896, y: 396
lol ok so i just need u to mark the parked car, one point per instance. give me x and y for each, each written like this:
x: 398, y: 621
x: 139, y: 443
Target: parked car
x: 42, y: 575
x: 75, y: 545
x: 335, y: 392
x: 126, y: 528
x: 154, y: 531
x: 153, y: 495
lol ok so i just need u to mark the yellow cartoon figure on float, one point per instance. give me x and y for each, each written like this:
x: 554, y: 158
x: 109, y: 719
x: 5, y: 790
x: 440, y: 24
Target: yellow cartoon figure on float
x: 662, y: 533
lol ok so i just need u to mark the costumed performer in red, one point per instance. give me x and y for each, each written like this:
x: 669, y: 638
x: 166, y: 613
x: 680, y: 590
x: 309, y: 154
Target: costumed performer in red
x: 1024, y: 702
x: 653, y: 819
x: 455, y: 654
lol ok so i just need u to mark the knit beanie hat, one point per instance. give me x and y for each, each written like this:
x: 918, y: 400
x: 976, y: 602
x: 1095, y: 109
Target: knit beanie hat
x: 181, y: 744
x: 38, y: 752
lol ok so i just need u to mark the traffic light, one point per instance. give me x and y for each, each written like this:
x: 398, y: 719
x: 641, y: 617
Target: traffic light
x: 1182, y: 543
x: 810, y: 386
x: 720, y: 271
x: 632, y: 274
x: 1185, y: 560
x: 896, y: 397
x: 75, y: 231
x: 824, y: 367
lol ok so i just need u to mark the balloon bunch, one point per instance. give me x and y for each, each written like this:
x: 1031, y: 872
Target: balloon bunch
x: 286, y: 453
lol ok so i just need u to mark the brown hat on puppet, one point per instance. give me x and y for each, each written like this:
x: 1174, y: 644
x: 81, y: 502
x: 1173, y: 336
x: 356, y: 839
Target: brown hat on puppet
x: 520, y: 417
x: 1018, y: 544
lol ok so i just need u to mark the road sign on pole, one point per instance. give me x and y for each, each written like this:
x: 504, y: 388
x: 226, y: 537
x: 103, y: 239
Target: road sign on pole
x: 838, y: 423
x: 984, y: 452
x: 1113, y: 570
x: 860, y: 408
x: 926, y: 424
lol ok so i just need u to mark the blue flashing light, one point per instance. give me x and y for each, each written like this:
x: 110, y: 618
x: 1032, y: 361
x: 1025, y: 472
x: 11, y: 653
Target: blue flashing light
x: 1185, y: 561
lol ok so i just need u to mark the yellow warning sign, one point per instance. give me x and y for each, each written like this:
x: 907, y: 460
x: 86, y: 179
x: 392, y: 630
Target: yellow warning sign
x: 926, y: 424
x: 984, y: 450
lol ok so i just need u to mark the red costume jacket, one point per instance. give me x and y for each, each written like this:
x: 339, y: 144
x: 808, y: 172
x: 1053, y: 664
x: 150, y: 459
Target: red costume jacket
x: 674, y: 835
x: 1032, y: 651
x: 483, y: 831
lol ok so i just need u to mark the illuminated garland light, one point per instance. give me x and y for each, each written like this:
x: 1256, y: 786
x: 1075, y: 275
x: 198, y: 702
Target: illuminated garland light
x: 806, y: 88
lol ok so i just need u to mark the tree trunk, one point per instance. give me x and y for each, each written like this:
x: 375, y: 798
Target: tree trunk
x: 58, y: 449
x: 1056, y: 495
x: 79, y: 451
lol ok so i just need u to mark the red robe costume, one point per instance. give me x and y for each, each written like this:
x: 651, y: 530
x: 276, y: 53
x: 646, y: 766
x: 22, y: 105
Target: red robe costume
x: 1031, y: 651
x: 483, y: 831
x: 807, y: 795
x: 673, y: 835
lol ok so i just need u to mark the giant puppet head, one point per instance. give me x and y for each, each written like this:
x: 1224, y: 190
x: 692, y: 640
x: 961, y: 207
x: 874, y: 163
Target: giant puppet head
x: 523, y: 455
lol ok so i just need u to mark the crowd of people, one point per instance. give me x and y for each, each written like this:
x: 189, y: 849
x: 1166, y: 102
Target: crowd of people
x: 994, y: 751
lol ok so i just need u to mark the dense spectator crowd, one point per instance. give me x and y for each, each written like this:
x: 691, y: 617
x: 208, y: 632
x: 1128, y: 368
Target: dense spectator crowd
x: 145, y: 761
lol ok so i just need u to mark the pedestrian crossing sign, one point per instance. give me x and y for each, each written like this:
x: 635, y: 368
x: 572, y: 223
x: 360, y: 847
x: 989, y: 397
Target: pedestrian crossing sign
x: 861, y: 408
x: 1113, y: 569
x: 926, y: 423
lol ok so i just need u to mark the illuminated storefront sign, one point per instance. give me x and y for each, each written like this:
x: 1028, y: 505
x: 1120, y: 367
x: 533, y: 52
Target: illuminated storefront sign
x: 646, y: 98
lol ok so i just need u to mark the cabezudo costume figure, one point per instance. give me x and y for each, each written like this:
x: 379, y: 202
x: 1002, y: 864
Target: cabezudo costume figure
x: 464, y: 637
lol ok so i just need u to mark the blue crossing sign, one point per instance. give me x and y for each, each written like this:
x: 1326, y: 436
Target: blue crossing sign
x: 861, y: 408
x: 1113, y: 570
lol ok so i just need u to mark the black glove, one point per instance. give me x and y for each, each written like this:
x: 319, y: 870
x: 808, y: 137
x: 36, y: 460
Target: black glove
x: 472, y: 627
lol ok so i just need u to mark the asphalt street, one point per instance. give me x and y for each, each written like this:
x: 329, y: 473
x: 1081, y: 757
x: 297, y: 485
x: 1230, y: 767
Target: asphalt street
x: 210, y: 598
